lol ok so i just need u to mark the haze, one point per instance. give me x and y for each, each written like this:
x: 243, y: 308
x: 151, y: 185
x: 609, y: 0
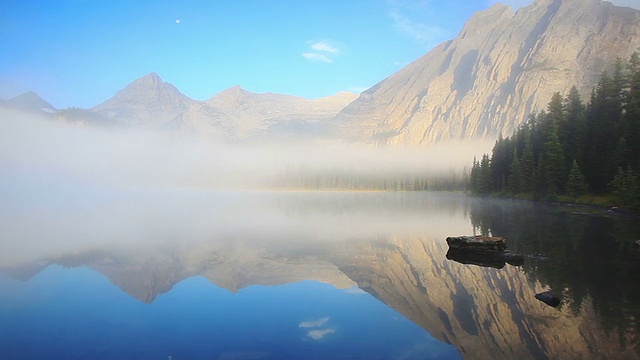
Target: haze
x: 66, y: 187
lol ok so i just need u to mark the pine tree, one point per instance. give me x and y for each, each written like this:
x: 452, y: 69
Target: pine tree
x: 574, y: 144
x: 552, y: 167
x: 500, y: 162
x: 473, y: 176
x: 631, y: 119
x: 528, y: 165
x: 626, y: 188
x: 576, y: 183
x: 483, y: 180
x: 602, y: 118
x: 514, y: 182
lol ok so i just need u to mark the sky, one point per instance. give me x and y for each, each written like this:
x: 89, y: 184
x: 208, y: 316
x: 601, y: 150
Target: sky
x: 79, y: 53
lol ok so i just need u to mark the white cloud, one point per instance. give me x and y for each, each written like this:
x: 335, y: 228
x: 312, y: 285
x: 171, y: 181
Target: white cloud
x: 315, y: 57
x: 325, y: 47
x: 319, y: 334
x: 419, y: 31
x: 321, y: 51
x: 313, y: 323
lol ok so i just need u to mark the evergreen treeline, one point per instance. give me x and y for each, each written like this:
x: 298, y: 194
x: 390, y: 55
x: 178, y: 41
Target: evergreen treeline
x: 307, y: 178
x: 573, y: 149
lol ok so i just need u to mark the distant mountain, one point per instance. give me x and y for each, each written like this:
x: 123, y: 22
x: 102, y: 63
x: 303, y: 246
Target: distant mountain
x: 235, y: 113
x: 276, y: 113
x: 29, y: 102
x: 147, y: 102
x: 503, y: 66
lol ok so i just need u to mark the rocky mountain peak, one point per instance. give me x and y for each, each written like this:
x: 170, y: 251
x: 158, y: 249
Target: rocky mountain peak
x: 150, y: 78
x: 502, y: 67
x: 147, y: 101
x: 149, y: 85
x: 29, y: 101
x: 230, y: 94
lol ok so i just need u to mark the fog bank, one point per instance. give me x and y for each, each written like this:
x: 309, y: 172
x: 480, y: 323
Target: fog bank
x: 66, y: 188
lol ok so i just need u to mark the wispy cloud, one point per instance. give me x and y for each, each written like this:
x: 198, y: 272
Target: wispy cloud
x: 419, y: 31
x: 321, y: 51
x: 317, y: 57
x: 325, y: 47
x: 313, y: 323
x: 315, y: 333
x: 319, y: 334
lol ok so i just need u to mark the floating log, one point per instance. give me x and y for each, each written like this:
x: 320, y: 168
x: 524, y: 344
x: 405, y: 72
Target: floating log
x: 477, y: 242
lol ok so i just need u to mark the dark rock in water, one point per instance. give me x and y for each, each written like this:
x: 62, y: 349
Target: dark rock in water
x: 548, y: 298
x: 477, y: 242
x: 511, y: 258
x: 492, y: 259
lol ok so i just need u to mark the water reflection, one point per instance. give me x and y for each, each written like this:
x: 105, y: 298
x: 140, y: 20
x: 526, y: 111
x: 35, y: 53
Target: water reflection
x: 392, y: 247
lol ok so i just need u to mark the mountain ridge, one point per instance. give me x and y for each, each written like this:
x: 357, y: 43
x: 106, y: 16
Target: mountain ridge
x: 503, y: 66
x: 29, y: 102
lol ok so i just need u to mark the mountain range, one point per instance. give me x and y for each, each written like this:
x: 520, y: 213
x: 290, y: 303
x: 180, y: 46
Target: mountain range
x: 503, y: 66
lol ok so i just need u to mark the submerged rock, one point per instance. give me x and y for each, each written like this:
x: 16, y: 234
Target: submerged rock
x: 548, y: 298
x: 477, y: 242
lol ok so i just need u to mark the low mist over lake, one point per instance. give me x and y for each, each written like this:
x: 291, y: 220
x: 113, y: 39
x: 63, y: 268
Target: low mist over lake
x: 406, y: 179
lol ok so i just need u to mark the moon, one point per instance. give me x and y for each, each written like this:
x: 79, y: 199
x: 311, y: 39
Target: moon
x: 178, y: 21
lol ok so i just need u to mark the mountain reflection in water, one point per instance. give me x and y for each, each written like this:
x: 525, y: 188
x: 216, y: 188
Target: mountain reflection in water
x: 392, y: 247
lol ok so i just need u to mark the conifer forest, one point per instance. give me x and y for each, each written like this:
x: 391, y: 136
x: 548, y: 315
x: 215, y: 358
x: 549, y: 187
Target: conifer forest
x: 573, y: 150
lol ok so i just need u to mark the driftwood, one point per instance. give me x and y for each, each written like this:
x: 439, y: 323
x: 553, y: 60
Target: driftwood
x: 482, y: 251
x: 477, y: 243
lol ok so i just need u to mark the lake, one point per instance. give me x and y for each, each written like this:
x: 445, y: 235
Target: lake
x: 198, y: 274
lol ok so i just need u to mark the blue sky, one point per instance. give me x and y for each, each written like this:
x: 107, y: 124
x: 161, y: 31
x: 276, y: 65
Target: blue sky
x: 79, y: 53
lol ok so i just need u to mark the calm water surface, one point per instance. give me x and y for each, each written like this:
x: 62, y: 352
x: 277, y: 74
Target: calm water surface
x: 261, y: 275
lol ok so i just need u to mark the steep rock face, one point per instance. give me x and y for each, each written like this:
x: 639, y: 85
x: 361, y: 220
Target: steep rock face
x: 503, y: 66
